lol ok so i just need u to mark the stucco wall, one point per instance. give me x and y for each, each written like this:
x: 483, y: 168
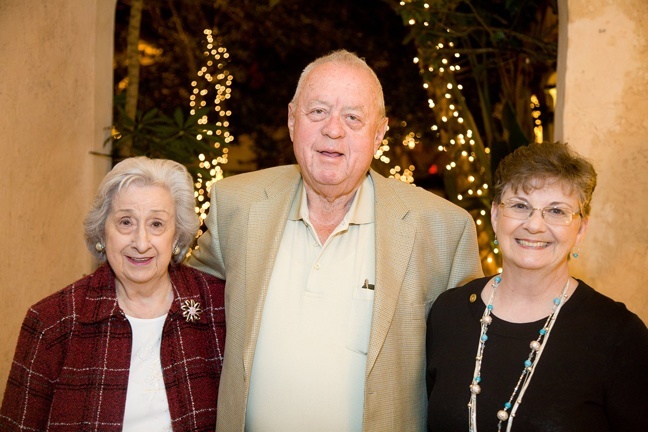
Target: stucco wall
x: 605, y: 117
x: 55, y: 106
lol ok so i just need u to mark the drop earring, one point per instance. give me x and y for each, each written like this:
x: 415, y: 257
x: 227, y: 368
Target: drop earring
x: 576, y: 253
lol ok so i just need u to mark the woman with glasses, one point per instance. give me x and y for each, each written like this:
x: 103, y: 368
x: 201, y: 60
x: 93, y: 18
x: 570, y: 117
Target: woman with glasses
x: 534, y: 349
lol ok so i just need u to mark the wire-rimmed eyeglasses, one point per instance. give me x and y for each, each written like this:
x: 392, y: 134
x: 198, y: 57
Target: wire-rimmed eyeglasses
x: 553, y: 215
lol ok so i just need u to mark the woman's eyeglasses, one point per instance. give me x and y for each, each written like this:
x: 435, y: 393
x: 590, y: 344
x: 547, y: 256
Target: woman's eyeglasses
x: 556, y: 215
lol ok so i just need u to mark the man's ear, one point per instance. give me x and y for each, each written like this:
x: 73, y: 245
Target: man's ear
x: 381, y: 130
x: 291, y: 119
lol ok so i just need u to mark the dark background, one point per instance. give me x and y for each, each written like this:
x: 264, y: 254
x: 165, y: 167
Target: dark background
x: 269, y: 45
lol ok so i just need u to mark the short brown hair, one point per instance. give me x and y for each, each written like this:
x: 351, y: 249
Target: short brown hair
x: 530, y: 167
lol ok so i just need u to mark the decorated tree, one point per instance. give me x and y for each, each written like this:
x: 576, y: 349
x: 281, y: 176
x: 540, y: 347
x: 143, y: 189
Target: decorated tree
x: 487, y: 67
x: 211, y: 91
x: 465, y: 83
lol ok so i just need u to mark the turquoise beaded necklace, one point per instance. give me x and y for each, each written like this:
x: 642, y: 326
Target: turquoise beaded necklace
x: 537, y: 346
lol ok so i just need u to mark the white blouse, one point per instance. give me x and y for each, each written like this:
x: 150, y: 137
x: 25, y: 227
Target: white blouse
x: 147, y: 408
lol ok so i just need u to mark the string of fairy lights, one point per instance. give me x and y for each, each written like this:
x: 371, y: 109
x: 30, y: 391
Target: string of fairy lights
x: 403, y: 174
x: 455, y: 129
x: 467, y: 155
x: 213, y: 78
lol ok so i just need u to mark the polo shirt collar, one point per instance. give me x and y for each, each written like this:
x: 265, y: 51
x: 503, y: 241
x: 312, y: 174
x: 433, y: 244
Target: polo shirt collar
x: 361, y: 211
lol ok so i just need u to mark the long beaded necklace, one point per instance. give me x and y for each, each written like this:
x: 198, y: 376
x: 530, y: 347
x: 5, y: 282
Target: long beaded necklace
x: 537, y: 346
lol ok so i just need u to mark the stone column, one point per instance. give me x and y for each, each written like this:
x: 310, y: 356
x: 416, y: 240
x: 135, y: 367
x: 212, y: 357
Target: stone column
x: 56, y: 108
x: 604, y: 116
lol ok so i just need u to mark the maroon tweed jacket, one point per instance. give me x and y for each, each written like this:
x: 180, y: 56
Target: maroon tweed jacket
x: 70, y: 370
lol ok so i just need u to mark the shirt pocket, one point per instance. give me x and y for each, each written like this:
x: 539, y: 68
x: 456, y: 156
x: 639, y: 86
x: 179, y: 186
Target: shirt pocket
x: 361, y: 314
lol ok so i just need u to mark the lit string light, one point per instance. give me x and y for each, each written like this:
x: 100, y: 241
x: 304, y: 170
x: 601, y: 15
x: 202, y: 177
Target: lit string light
x: 215, y: 79
x: 537, y: 122
x: 409, y: 142
x: 468, y: 159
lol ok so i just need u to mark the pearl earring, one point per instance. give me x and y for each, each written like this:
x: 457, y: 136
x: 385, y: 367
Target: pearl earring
x: 100, y: 247
x: 176, y: 250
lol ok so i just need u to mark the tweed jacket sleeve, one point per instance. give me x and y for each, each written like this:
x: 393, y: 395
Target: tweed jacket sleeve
x: 207, y: 255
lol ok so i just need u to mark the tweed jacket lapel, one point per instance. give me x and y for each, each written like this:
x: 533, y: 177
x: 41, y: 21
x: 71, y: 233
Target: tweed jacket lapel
x: 266, y: 224
x: 394, y: 242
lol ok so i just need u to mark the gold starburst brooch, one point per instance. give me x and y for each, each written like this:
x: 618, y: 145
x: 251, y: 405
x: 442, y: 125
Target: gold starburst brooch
x: 191, y: 310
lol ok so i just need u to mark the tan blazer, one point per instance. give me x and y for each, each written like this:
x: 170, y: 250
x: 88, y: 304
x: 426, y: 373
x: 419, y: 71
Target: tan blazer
x: 424, y: 245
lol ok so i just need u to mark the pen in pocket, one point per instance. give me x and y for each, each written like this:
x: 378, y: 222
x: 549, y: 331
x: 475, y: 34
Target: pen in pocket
x: 367, y: 285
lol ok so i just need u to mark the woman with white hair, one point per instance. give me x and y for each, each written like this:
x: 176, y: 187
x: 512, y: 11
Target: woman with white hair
x: 137, y: 344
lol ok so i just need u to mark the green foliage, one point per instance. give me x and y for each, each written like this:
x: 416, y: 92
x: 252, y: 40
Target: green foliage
x: 508, y: 51
x: 178, y: 137
x: 482, y: 61
x: 270, y: 43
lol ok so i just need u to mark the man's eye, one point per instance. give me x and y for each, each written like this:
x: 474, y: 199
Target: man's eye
x: 317, y: 112
x: 354, y: 121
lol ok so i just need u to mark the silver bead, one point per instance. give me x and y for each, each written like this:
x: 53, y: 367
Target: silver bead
x: 502, y: 415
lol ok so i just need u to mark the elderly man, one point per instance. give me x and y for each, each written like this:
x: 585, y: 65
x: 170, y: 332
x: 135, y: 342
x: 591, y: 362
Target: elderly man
x: 331, y: 270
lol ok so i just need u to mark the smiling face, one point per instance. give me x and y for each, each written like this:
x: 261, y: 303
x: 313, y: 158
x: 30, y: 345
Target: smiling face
x: 140, y: 233
x: 533, y: 244
x: 336, y: 128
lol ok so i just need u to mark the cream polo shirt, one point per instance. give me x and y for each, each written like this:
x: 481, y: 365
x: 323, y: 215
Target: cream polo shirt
x: 309, y: 363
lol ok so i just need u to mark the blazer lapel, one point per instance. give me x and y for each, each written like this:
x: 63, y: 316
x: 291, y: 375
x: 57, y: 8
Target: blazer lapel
x: 267, y: 220
x: 394, y: 243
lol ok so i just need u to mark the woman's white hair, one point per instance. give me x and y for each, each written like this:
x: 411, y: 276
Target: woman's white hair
x: 143, y: 171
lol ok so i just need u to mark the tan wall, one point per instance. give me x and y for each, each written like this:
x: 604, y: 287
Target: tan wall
x: 606, y: 118
x: 55, y: 106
